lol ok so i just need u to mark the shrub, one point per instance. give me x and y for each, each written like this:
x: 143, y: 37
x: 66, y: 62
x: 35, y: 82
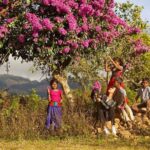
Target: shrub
x: 24, y: 117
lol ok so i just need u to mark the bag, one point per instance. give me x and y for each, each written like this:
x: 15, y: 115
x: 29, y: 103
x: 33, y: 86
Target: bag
x: 107, y: 103
x: 110, y: 103
x: 104, y: 104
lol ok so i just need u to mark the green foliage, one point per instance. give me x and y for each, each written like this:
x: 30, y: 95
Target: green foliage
x: 24, y: 116
x: 86, y: 71
x: 33, y: 100
x: 131, y: 13
x: 146, y: 38
x: 141, y: 68
x: 131, y: 95
x: 1, y: 44
x: 14, y: 103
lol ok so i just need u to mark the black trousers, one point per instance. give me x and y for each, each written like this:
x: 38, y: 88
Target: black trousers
x: 102, y: 114
x: 110, y: 115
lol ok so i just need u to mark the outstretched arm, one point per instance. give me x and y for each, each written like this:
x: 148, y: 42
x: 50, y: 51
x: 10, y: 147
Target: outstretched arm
x: 48, y: 95
x: 107, y: 68
x: 116, y: 65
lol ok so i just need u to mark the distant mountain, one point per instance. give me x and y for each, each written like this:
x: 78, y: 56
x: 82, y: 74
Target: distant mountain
x: 19, y: 85
x: 16, y: 84
x: 8, y: 80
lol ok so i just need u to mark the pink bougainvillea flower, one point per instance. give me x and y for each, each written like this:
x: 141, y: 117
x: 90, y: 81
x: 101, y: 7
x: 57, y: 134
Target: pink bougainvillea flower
x: 26, y: 26
x: 60, y: 42
x: 5, y: 2
x: 85, y: 27
x: 9, y: 20
x: 72, y: 22
x: 62, y: 31
x: 86, y: 9
x: 47, y: 24
x: 21, y: 38
x: 74, y: 45
x: 35, y: 40
x: 85, y: 43
x: 3, y: 31
x: 58, y: 19
x: 140, y: 47
x: 66, y: 50
x: 34, y: 20
x: 46, y: 2
x: 35, y: 34
x: 98, y: 29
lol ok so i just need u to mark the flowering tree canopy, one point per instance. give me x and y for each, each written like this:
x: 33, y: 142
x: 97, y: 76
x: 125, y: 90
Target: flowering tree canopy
x: 57, y: 32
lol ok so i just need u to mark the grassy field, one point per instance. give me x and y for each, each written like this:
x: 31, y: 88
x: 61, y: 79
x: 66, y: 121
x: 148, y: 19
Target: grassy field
x: 107, y: 143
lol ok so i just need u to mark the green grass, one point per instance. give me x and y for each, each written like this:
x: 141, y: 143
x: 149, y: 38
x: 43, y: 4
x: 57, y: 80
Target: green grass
x: 77, y: 143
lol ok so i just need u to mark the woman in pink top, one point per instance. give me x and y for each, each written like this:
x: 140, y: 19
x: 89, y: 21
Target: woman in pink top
x: 54, y: 114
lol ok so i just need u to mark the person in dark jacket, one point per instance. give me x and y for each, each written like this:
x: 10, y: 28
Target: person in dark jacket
x: 104, y: 108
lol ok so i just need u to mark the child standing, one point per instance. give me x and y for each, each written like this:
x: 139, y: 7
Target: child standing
x: 54, y: 114
x: 116, y: 68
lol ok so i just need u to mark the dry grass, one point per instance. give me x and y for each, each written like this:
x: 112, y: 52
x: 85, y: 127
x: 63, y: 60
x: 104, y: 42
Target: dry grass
x: 77, y: 144
x: 22, y: 127
x: 24, y: 117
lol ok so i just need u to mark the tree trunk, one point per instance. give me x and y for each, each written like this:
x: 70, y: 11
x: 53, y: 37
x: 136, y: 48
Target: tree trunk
x: 63, y: 81
x: 107, y: 78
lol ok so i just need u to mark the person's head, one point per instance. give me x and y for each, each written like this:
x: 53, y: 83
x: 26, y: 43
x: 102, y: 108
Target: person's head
x: 145, y: 82
x: 118, y: 81
x: 112, y: 90
x: 97, y: 86
x: 118, y: 61
x: 54, y: 84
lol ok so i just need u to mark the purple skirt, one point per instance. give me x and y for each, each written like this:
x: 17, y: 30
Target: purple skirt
x: 54, y: 116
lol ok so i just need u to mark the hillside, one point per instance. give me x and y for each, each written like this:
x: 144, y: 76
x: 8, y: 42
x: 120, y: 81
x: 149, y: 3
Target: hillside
x: 16, y: 84
x: 9, y: 80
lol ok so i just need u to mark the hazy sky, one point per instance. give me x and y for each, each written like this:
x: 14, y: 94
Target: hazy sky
x: 24, y: 70
x: 145, y: 4
x: 21, y: 69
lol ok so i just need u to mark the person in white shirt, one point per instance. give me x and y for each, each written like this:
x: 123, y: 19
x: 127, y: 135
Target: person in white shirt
x: 144, y: 95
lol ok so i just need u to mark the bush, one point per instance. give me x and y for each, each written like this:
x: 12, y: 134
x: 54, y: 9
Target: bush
x: 131, y: 95
x: 24, y: 116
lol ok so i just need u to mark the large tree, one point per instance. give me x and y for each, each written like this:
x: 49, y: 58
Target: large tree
x: 56, y: 33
